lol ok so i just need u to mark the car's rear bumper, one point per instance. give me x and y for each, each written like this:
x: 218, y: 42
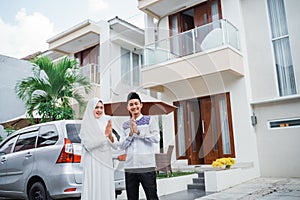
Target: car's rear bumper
x: 61, y: 182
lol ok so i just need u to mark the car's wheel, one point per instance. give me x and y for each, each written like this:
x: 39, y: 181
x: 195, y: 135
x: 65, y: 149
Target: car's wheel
x: 37, y: 192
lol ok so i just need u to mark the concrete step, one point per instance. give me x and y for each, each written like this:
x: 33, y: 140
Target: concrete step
x: 198, y: 180
x: 196, y: 186
x: 201, y: 174
x: 198, y: 183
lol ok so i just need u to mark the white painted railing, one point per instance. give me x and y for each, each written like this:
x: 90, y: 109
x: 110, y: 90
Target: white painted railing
x: 91, y: 72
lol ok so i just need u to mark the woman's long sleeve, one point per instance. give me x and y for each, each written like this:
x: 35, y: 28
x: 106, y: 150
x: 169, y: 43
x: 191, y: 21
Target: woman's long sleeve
x: 91, y: 144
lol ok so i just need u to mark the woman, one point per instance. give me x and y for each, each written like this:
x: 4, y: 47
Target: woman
x: 97, y: 140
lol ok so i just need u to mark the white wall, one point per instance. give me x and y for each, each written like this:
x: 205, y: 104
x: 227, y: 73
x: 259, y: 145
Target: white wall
x: 260, y: 49
x: 231, y: 11
x: 11, y: 71
x: 244, y: 134
x: 104, y: 59
x: 278, y: 148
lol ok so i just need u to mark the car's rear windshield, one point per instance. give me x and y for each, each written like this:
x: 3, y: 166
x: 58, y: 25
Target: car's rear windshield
x: 73, y: 131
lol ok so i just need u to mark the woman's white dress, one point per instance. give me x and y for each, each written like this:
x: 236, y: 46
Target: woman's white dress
x: 98, y: 175
x: 96, y: 159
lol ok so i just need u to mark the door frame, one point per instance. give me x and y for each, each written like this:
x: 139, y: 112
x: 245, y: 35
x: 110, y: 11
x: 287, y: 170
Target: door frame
x: 188, y: 136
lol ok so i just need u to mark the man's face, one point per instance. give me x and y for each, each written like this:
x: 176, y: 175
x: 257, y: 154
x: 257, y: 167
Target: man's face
x: 134, y: 107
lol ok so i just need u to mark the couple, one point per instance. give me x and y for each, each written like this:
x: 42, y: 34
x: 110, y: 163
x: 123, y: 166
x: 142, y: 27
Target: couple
x: 139, y: 138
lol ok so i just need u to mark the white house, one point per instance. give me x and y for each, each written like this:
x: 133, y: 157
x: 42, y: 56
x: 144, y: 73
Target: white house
x: 232, y: 68
x: 108, y: 52
x: 229, y: 66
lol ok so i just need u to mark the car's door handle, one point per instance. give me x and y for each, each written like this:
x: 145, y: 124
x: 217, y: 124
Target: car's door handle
x: 28, y: 155
x: 3, y: 160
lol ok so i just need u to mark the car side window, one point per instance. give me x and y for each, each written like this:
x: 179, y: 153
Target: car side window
x: 73, y: 131
x: 48, y: 135
x: 7, y: 146
x: 26, y: 141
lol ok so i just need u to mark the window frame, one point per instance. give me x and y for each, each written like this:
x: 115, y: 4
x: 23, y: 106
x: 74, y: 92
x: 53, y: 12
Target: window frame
x: 26, y: 134
x: 284, y: 122
x: 133, y: 69
x: 47, y: 127
x: 281, y: 91
x: 14, y: 138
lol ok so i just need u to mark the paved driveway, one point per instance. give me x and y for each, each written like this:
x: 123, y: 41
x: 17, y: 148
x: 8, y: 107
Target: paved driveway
x: 260, y: 189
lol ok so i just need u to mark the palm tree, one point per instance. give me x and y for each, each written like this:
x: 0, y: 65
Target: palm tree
x: 52, y: 88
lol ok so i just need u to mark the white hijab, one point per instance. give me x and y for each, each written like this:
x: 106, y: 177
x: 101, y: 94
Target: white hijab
x: 92, y: 128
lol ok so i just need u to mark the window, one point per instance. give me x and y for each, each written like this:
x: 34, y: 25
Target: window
x: 180, y: 131
x: 88, y: 56
x: 26, y: 141
x: 135, y: 69
x: 125, y: 66
x: 73, y: 131
x: 130, y: 67
x: 225, y: 131
x: 47, y: 136
x: 284, y: 123
x: 281, y: 46
x: 7, y: 146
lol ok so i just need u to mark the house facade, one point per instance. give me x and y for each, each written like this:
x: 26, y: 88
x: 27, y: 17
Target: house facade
x: 108, y: 53
x: 236, y: 86
x: 231, y: 68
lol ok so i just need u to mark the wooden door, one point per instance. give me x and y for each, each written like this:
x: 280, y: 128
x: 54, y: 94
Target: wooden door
x: 186, y: 38
x: 202, y: 14
x: 204, y: 130
x: 193, y: 131
x: 210, y: 133
x: 174, y: 29
x: 202, y: 17
x: 206, y: 13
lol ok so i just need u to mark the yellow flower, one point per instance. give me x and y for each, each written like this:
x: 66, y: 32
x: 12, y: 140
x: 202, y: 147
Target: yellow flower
x: 223, y: 163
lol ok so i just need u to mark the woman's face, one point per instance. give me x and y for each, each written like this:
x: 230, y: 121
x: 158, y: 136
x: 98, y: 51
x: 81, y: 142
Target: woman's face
x: 98, y: 111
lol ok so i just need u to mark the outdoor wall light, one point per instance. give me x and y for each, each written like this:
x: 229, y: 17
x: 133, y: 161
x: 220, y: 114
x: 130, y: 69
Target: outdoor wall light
x: 253, y: 119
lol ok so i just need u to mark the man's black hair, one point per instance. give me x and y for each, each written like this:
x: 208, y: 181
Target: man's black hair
x: 133, y: 95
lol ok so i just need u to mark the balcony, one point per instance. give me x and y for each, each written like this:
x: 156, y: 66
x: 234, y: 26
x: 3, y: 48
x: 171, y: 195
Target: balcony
x: 91, y: 72
x: 198, y: 52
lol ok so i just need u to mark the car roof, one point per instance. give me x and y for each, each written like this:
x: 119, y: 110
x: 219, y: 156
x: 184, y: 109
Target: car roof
x: 36, y: 127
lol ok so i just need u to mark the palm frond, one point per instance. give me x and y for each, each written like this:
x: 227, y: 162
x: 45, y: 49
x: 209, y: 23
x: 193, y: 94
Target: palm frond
x: 52, y: 86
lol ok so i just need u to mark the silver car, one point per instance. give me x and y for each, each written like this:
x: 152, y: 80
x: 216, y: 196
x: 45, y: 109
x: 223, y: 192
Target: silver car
x: 43, y: 162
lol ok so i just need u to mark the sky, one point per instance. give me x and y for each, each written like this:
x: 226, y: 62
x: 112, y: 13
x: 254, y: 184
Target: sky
x: 26, y: 25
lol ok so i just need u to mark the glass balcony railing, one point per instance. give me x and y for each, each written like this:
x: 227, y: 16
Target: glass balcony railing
x: 200, y: 39
x: 91, y: 72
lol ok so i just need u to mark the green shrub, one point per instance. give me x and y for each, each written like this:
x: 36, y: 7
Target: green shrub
x: 174, y: 174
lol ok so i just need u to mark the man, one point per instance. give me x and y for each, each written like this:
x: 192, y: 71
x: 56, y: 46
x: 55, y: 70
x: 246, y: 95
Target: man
x: 140, y: 139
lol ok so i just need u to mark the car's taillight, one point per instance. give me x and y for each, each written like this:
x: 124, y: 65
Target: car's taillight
x: 67, y: 153
x: 70, y: 190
